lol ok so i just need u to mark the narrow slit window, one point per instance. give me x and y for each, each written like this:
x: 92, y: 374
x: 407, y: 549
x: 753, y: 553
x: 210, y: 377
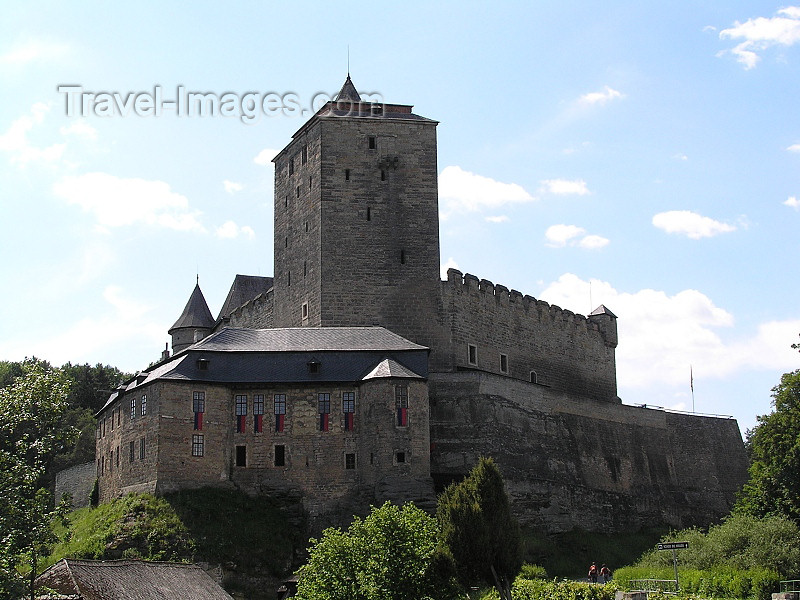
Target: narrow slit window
x: 383, y: 174
x: 402, y: 257
x: 304, y: 154
x: 199, y: 408
x: 241, y: 456
x: 349, y: 409
x: 504, y: 363
x: 373, y: 143
x: 347, y: 174
x: 473, y: 354
x: 280, y: 455
x: 324, y: 409
x: 279, y: 404
x: 401, y: 404
x: 258, y: 413
x: 142, y: 446
x: 297, y: 191
x: 350, y: 461
x: 369, y: 213
x: 241, y: 413
x: 291, y: 166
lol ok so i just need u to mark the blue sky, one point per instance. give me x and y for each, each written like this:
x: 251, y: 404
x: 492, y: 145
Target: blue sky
x: 642, y: 155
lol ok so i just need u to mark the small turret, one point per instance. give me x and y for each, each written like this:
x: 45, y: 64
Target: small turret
x: 607, y: 322
x: 194, y: 324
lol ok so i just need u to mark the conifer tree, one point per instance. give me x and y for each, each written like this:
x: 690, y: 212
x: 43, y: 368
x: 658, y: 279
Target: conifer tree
x: 478, y: 527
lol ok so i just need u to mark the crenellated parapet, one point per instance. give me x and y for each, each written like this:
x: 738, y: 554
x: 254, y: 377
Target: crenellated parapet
x: 500, y: 330
x: 256, y: 313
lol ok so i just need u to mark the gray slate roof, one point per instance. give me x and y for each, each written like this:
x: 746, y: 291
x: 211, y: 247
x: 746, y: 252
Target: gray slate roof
x: 280, y: 356
x: 602, y: 310
x: 130, y: 580
x: 304, y: 339
x: 348, y: 91
x: 390, y: 368
x: 243, y: 289
x: 195, y: 314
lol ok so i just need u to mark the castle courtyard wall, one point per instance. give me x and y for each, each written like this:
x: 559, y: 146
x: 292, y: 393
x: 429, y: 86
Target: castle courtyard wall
x: 566, y: 351
x: 578, y: 463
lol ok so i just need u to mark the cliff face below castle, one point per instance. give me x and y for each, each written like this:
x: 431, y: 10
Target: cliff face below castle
x: 582, y: 463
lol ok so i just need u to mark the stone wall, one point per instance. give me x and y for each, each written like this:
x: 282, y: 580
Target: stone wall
x: 581, y: 463
x: 565, y: 350
x: 258, y: 313
x: 78, y: 482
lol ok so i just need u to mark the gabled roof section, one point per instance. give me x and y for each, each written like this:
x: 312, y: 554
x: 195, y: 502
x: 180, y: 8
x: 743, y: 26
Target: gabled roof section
x: 389, y: 368
x: 196, y: 313
x: 243, y: 290
x: 602, y: 310
x: 348, y: 91
x: 130, y: 580
x: 305, y: 339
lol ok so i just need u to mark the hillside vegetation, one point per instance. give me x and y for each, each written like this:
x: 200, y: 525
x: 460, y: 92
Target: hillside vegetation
x: 251, y: 538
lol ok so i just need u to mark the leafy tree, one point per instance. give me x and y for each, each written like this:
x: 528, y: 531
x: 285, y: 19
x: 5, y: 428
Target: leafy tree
x: 392, y: 554
x: 477, y: 526
x: 774, y: 445
x: 31, y: 434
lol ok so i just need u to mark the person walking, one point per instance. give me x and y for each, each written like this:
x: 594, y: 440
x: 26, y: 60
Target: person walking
x: 593, y: 573
x: 605, y: 574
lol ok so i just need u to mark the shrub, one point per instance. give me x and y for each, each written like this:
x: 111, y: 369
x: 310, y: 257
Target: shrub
x: 532, y: 572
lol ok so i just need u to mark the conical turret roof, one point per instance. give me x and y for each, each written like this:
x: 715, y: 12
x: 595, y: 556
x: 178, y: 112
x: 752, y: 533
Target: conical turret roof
x: 196, y: 313
x: 348, y: 91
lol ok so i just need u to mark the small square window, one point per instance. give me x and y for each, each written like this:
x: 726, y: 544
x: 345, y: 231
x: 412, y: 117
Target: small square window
x: 280, y: 455
x: 198, y: 447
x: 504, y: 363
x: 473, y: 354
x: 241, y: 456
x: 350, y: 460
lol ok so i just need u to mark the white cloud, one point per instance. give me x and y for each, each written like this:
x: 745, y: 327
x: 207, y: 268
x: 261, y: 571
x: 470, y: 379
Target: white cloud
x: 462, y: 190
x: 661, y: 335
x: 794, y: 148
x: 230, y: 230
x: 232, y: 187
x: 15, y: 140
x: 118, y: 202
x: 680, y: 156
x: 122, y: 322
x: 593, y: 242
x: 792, y: 202
x: 264, y: 158
x: 32, y: 50
x: 690, y: 224
x: 498, y: 219
x: 761, y: 33
x: 450, y: 264
x: 558, y: 236
x: 80, y: 128
x: 563, y: 187
x: 606, y: 95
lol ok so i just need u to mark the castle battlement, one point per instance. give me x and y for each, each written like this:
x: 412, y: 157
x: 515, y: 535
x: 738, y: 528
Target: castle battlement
x: 530, y: 306
x: 498, y: 330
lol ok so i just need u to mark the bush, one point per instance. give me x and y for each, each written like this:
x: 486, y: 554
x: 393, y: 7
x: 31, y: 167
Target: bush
x: 742, y: 542
x: 538, y: 589
x: 532, y: 572
x: 719, y: 582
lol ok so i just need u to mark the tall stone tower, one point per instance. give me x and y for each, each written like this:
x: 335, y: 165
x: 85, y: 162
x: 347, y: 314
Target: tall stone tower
x: 357, y: 220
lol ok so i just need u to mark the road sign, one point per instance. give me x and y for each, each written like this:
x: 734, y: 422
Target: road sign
x: 673, y: 546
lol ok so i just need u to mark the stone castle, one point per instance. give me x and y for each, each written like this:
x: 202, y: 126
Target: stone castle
x: 356, y: 375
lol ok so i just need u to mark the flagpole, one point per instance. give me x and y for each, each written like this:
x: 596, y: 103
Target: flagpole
x: 691, y: 384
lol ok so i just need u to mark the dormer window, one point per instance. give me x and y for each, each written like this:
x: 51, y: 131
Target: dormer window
x: 314, y: 366
x: 202, y: 364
